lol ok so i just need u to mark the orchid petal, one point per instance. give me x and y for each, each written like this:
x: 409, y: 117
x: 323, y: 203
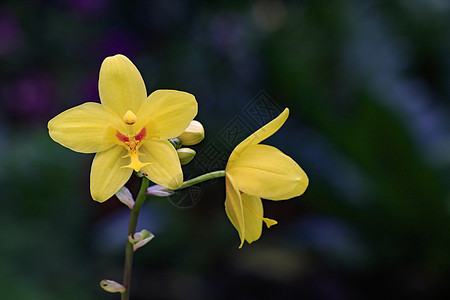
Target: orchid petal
x: 299, y: 189
x: 233, y: 207
x: 107, y: 174
x: 164, y: 168
x: 261, y: 134
x: 84, y: 128
x: 252, y: 208
x: 171, y: 110
x: 265, y: 171
x: 253, y: 217
x: 120, y: 85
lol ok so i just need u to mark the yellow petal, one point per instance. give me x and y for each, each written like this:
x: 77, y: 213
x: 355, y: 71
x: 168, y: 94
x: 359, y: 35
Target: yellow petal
x: 297, y: 191
x: 84, y: 128
x: 164, y: 168
x: 171, y: 110
x: 120, y: 85
x: 233, y: 207
x: 265, y: 171
x: 107, y: 174
x: 261, y: 134
x: 253, y: 217
x: 252, y: 208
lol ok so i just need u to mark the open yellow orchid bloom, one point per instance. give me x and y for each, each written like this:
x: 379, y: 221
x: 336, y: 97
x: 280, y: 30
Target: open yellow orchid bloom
x: 257, y: 171
x: 128, y: 130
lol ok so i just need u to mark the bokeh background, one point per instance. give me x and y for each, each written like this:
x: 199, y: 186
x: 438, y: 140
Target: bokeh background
x: 368, y: 86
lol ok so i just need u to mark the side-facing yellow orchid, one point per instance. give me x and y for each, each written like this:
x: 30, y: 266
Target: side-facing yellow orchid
x: 257, y: 171
x: 128, y: 130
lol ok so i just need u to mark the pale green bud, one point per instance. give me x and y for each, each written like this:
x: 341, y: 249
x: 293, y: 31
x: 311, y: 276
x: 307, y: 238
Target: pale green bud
x: 140, y: 239
x: 112, y: 286
x: 125, y: 197
x: 185, y: 155
x: 159, y: 191
x: 176, y: 143
x: 193, y: 134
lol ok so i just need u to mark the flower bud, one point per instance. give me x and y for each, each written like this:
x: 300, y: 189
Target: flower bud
x: 140, y: 239
x: 193, y: 134
x: 136, y: 237
x: 185, y: 155
x: 125, y: 197
x: 112, y: 286
x: 159, y: 191
x: 175, y: 143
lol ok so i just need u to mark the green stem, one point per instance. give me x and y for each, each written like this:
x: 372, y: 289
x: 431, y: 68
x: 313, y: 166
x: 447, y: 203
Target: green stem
x: 134, y: 217
x: 202, y: 178
x: 131, y: 230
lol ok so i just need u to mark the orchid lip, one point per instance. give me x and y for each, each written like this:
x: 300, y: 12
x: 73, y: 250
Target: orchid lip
x: 269, y: 222
x: 132, y: 144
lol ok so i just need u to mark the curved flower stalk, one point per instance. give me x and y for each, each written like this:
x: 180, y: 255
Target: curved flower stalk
x: 128, y: 130
x: 256, y: 171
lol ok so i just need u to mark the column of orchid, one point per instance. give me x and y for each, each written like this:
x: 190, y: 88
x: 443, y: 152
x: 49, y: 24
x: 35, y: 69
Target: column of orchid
x: 130, y: 131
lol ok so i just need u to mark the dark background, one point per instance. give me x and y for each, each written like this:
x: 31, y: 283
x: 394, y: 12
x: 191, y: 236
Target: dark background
x: 368, y: 86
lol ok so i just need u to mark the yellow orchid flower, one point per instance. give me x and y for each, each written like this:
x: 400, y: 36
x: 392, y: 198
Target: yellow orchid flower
x: 128, y: 130
x: 257, y: 171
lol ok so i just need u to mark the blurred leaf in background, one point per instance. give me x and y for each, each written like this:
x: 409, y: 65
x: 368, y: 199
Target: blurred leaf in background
x: 367, y: 83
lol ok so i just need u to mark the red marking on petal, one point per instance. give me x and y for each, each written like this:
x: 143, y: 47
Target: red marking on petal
x: 141, y: 134
x: 122, y: 137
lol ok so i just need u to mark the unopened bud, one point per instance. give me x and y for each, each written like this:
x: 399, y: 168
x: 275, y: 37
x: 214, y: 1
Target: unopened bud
x: 134, y: 238
x: 159, y: 191
x: 175, y: 143
x: 186, y: 155
x: 112, y: 286
x: 193, y: 134
x: 125, y: 197
x: 140, y: 239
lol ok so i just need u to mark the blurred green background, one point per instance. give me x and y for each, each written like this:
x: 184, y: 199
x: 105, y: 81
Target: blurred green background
x: 368, y: 86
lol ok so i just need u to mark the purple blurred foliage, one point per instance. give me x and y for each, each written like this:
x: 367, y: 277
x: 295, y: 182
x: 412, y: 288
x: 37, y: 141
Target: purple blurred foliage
x: 334, y: 239
x: 89, y: 89
x: 11, y: 36
x: 229, y: 34
x: 381, y: 58
x: 164, y: 16
x: 232, y: 36
x: 117, y: 41
x: 29, y: 98
x: 87, y: 7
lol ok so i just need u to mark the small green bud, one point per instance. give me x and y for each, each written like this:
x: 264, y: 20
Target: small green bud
x: 186, y: 155
x: 176, y: 143
x: 193, y: 134
x: 140, y: 239
x: 112, y: 286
